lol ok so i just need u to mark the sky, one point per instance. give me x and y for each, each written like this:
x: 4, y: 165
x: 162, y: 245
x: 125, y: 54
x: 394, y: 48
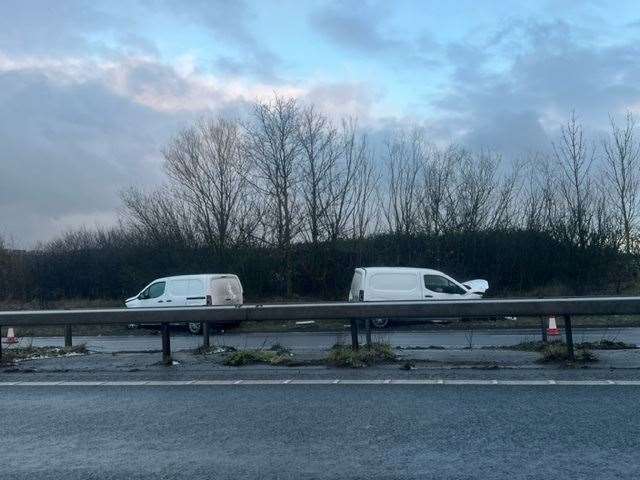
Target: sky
x: 90, y: 91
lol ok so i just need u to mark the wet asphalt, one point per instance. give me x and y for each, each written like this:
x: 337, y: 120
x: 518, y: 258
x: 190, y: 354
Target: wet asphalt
x: 320, y: 431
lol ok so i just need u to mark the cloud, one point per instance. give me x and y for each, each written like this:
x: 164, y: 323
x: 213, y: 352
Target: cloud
x: 75, y: 132
x: 229, y: 22
x: 365, y: 30
x: 45, y: 27
x: 546, y: 70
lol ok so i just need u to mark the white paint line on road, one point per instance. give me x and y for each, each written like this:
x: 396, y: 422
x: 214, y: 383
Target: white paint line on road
x: 453, y: 382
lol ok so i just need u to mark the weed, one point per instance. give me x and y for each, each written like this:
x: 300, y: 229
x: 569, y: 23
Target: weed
x: 345, y: 356
x: 605, y: 344
x: 248, y: 357
x: 539, y: 346
x: 558, y: 352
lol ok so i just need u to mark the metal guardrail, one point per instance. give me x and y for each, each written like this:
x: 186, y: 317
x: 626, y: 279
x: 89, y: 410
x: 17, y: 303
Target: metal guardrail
x: 352, y: 311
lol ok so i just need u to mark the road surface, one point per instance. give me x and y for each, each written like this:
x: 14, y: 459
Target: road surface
x: 302, y: 341
x: 320, y: 431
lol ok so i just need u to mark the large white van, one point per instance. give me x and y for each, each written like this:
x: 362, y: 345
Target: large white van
x: 190, y: 290
x: 375, y: 284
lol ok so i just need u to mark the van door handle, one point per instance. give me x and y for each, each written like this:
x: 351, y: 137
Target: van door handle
x: 168, y: 301
x: 428, y: 296
x: 160, y: 301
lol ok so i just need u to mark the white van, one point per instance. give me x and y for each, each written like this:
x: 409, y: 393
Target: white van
x: 375, y: 284
x: 190, y: 290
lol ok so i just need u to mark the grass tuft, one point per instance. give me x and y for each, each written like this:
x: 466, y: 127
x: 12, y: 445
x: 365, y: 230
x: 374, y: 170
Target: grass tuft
x: 344, y: 356
x: 249, y: 357
x: 558, y: 352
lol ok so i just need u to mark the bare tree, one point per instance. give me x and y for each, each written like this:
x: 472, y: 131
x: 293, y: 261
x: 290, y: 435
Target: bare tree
x: 210, y: 173
x: 473, y: 198
x: 158, y: 216
x: 621, y: 170
x: 437, y: 184
x: 366, y: 205
x: 273, y: 145
x: 318, y: 159
x: 405, y: 159
x: 574, y: 160
x: 342, y: 188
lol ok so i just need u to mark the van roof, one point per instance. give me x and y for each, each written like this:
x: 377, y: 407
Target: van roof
x: 402, y: 269
x: 202, y: 276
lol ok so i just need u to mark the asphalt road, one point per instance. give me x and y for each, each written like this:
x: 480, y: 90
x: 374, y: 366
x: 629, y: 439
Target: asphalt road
x: 316, y: 341
x: 320, y: 431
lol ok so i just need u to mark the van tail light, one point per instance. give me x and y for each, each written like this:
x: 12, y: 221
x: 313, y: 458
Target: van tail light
x: 209, y: 301
x: 361, y: 296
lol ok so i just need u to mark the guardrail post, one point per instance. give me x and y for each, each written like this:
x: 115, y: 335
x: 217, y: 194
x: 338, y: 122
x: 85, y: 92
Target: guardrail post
x: 543, y: 330
x: 166, y: 345
x: 0, y: 343
x: 68, y: 339
x: 354, y: 334
x: 205, y: 334
x: 367, y: 324
x: 569, y: 335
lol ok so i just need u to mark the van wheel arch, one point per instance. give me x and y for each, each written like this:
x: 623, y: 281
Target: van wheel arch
x: 380, y: 322
x: 195, y: 328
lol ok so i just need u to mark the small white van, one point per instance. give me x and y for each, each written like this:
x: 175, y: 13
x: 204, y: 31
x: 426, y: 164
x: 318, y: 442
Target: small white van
x: 190, y: 290
x: 375, y: 284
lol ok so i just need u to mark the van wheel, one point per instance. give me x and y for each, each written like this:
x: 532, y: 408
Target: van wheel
x: 195, y: 328
x: 380, y: 322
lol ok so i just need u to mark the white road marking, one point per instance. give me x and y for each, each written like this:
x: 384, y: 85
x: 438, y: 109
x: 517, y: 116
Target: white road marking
x: 452, y: 382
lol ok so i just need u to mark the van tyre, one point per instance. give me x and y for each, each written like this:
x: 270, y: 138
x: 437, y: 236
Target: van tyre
x: 380, y: 322
x: 195, y: 328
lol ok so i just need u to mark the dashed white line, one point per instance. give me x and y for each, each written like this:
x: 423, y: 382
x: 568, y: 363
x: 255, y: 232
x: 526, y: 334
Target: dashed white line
x: 387, y: 381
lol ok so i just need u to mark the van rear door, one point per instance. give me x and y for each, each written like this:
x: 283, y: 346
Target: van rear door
x: 356, y: 293
x: 226, y: 291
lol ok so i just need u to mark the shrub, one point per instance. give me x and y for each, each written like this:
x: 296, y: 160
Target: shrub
x: 345, y: 356
x: 248, y: 357
x: 558, y: 352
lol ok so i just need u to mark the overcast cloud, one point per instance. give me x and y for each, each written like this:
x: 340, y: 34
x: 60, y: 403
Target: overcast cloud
x: 91, y: 91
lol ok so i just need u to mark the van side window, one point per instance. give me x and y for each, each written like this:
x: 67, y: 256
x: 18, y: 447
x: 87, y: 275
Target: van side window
x: 156, y: 290
x: 439, y: 284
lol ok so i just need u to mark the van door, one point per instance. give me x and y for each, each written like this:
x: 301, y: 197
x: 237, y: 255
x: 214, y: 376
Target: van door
x: 153, y: 295
x: 437, y: 287
x: 393, y: 286
x: 177, y: 292
x: 196, y: 295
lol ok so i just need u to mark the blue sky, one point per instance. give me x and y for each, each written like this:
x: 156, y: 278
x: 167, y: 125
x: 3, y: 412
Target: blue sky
x: 90, y: 91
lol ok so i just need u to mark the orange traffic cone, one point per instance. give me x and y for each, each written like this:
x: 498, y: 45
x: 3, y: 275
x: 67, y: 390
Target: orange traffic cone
x: 11, y: 336
x: 553, y: 329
